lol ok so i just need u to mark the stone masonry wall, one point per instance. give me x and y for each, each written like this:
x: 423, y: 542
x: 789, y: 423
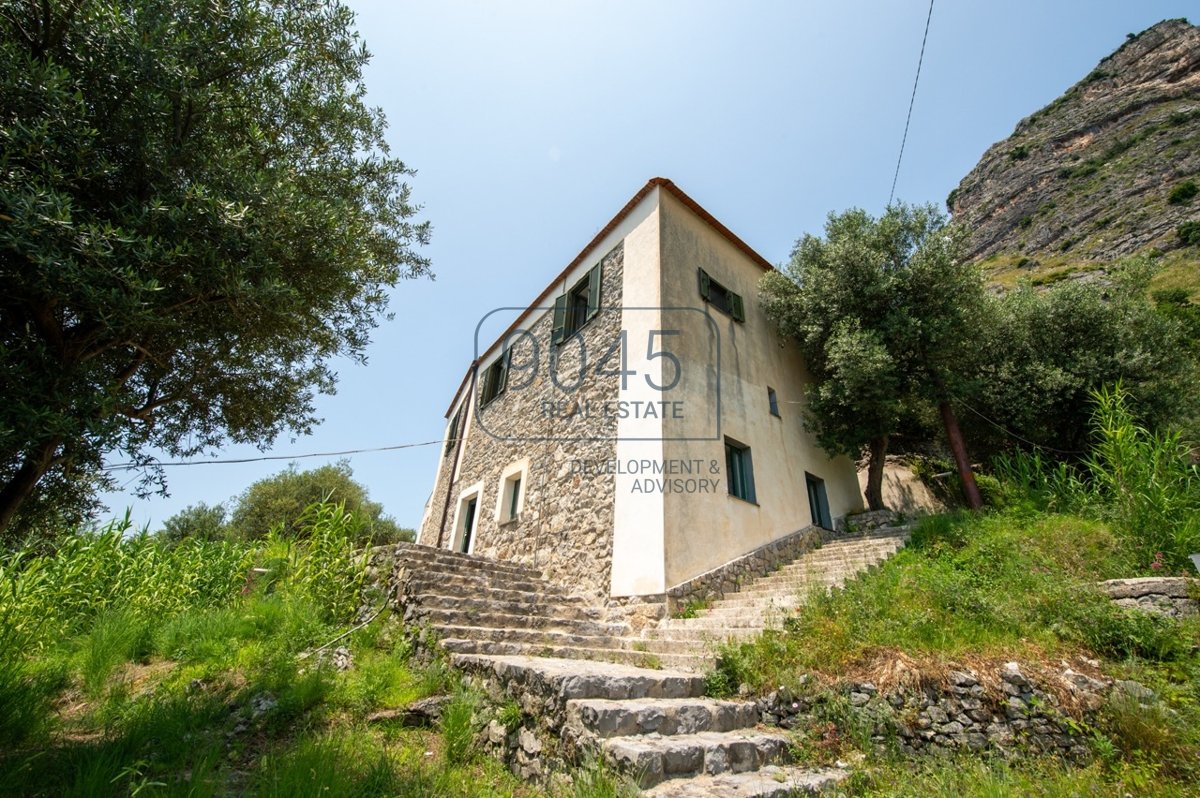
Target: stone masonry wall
x: 563, y: 530
x: 1174, y: 596
x: 728, y: 578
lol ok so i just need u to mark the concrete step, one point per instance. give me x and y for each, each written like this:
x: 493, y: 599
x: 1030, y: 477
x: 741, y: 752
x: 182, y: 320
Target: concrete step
x: 665, y: 716
x: 652, y: 759
x: 566, y: 677
x: 772, y: 781
x: 428, y: 554
x: 524, y: 604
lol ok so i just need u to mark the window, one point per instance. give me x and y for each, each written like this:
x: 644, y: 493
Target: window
x: 739, y: 470
x: 495, y: 378
x: 512, y: 498
x: 578, y: 306
x: 721, y: 297
x: 818, y: 501
x: 452, y: 432
x: 773, y: 400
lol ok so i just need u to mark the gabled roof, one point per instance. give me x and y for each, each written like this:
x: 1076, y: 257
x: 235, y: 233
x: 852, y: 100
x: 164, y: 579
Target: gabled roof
x: 653, y: 183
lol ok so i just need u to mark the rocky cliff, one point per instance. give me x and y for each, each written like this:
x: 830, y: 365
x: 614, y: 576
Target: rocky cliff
x: 1108, y: 169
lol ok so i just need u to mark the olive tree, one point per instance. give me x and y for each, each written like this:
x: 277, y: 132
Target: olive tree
x: 198, y: 211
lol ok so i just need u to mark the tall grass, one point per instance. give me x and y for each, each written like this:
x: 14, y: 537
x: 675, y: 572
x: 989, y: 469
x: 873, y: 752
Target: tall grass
x: 1142, y: 483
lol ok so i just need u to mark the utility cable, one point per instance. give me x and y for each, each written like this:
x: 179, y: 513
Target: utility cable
x: 128, y: 466
x: 911, y: 100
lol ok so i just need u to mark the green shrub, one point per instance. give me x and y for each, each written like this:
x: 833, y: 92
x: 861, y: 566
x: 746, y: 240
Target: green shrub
x: 458, y: 726
x: 1183, y: 192
x: 1189, y: 233
x: 116, y: 637
x: 1018, y: 153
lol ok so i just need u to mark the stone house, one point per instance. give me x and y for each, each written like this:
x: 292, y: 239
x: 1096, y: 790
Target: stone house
x: 639, y: 424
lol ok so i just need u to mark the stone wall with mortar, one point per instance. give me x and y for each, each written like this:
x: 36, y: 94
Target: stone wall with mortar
x: 1017, y: 713
x: 730, y: 577
x: 562, y: 530
x: 1174, y: 596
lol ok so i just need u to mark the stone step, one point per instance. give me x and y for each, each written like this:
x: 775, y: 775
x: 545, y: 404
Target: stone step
x: 772, y: 781
x: 566, y: 677
x: 422, y: 589
x: 699, y: 633
x: 479, y: 613
x: 652, y: 759
x: 533, y: 607
x: 428, y: 554
x: 641, y: 659
x: 696, y: 645
x: 447, y: 581
x: 544, y: 637
x: 665, y: 716
x: 832, y: 560
x: 745, y: 619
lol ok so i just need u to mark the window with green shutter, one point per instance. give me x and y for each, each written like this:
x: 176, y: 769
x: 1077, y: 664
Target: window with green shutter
x: 578, y: 306
x: 721, y: 297
x: 452, y: 432
x: 739, y: 470
x: 495, y: 379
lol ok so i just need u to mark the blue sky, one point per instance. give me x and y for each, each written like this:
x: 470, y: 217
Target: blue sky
x: 532, y: 123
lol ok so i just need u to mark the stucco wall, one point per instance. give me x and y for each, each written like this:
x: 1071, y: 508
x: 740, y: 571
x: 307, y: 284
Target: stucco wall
x: 704, y: 530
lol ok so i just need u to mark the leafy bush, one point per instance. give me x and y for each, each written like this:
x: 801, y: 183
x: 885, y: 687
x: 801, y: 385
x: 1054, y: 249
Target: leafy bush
x: 1183, y: 192
x: 1189, y: 233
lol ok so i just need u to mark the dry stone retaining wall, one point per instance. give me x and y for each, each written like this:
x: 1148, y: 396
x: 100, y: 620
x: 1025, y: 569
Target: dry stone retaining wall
x: 1177, y: 597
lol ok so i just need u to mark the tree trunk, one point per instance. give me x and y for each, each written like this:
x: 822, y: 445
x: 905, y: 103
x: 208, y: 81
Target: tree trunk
x: 954, y: 436
x: 874, y: 492
x: 20, y: 486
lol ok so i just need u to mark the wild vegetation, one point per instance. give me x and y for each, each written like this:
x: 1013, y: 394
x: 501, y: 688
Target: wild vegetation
x: 130, y: 666
x: 279, y: 503
x: 1017, y: 582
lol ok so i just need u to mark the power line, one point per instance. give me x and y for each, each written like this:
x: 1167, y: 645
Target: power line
x: 128, y: 466
x: 1012, y: 434
x: 911, y: 100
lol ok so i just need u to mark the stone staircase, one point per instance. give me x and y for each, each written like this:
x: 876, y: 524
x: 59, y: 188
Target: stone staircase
x: 507, y: 623
x: 654, y: 725
x: 768, y: 600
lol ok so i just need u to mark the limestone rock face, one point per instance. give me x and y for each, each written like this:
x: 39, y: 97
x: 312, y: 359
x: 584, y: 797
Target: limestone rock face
x: 1090, y: 177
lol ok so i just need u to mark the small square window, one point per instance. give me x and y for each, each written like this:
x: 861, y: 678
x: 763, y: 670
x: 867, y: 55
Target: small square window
x: 739, y: 470
x: 773, y: 400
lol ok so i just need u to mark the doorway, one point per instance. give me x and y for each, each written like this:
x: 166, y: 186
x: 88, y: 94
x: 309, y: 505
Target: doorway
x: 818, y: 501
x: 468, y: 528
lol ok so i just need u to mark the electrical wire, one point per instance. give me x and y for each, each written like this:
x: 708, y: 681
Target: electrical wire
x: 159, y: 464
x: 911, y: 101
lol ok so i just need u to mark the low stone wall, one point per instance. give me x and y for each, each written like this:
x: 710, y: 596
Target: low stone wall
x: 1015, y: 715
x: 729, y: 577
x: 1175, y: 596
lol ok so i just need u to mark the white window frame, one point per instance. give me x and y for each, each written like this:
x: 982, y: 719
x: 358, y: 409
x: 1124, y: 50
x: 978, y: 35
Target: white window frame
x: 519, y: 470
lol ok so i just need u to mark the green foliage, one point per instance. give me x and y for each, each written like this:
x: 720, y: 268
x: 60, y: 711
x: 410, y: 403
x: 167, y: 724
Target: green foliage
x: 458, y: 726
x: 1040, y: 354
x: 197, y: 521
x: 1007, y: 582
x: 509, y: 715
x: 1018, y: 153
x: 327, y: 568
x: 882, y: 309
x: 200, y: 212
x: 116, y: 637
x: 1188, y: 233
x: 1183, y: 193
x: 279, y: 502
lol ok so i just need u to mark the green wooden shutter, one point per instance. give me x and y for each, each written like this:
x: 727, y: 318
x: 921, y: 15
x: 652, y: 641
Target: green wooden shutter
x: 736, y: 308
x: 505, y: 360
x: 560, y: 319
x: 705, y: 281
x: 748, y: 470
x: 594, y: 291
